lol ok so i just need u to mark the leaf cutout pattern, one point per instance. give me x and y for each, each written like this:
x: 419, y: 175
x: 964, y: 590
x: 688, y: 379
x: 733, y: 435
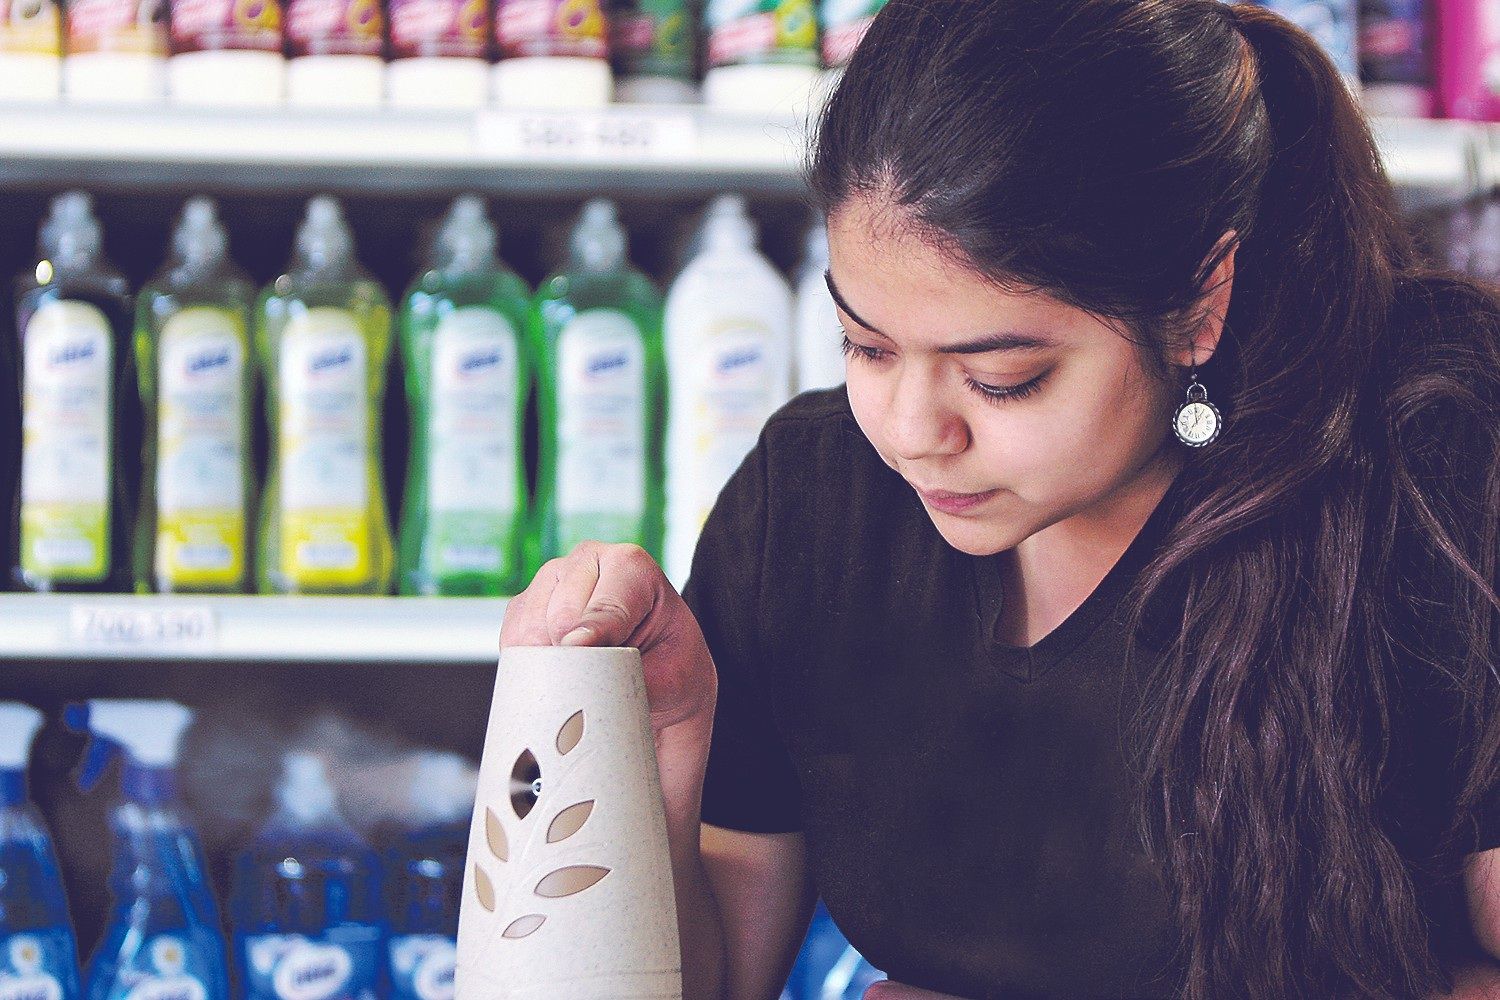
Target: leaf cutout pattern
x: 522, y: 926
x: 569, y: 821
x: 494, y: 834
x: 571, y: 733
x: 484, y: 889
x: 570, y: 881
x: 525, y: 784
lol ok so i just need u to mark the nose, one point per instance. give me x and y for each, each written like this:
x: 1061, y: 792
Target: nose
x: 920, y: 423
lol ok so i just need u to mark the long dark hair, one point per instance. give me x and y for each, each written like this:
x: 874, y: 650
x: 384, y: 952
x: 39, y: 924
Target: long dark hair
x: 1100, y: 150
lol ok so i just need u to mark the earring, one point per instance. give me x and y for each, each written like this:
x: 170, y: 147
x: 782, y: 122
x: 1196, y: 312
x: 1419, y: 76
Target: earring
x: 1197, y: 422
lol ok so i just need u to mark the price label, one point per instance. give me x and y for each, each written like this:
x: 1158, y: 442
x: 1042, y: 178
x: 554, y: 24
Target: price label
x: 590, y: 136
x: 161, y: 629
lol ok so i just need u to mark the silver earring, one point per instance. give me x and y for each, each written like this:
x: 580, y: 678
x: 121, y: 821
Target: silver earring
x: 1197, y: 422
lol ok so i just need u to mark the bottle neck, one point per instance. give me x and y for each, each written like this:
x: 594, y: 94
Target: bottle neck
x: 12, y: 787
x: 149, y: 787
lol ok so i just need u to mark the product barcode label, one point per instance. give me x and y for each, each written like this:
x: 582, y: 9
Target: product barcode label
x: 590, y: 136
x: 109, y: 627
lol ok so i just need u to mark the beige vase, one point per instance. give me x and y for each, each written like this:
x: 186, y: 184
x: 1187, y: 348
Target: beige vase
x: 568, y: 886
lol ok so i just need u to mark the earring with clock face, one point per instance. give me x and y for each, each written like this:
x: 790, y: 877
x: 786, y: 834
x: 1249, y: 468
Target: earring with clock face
x: 1197, y: 422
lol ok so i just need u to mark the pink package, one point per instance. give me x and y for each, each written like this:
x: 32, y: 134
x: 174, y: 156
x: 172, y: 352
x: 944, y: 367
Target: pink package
x: 1468, y: 65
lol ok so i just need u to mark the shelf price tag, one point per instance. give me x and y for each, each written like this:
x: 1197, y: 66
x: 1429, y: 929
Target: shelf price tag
x: 110, y: 627
x: 590, y: 136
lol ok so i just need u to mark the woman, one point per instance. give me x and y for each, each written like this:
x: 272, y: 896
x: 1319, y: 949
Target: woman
x: 1049, y: 683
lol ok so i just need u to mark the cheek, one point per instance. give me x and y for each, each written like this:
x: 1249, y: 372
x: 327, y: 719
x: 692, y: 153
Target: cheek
x: 865, y: 399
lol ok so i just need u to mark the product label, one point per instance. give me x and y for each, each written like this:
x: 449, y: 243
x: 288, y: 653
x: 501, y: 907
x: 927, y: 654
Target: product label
x: 31, y: 27
x: 473, y: 444
x: 66, y: 440
x: 34, y: 966
x: 200, y: 474
x: 456, y: 28
x: 762, y: 31
x: 422, y: 967
x: 335, y: 28
x: 124, y: 26
x: 652, y: 38
x: 550, y: 28
x: 214, y: 25
x: 324, y: 428
x: 601, y: 429
x: 344, y: 964
x: 844, y: 25
x: 736, y: 394
x: 165, y: 969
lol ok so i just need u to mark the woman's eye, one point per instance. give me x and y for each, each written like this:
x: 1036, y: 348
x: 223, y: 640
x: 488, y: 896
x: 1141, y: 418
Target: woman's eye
x: 1003, y: 393
x: 853, y: 350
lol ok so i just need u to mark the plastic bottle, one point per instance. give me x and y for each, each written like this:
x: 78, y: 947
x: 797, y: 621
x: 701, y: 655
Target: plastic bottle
x: 599, y: 393
x: 1395, y: 57
x: 1469, y: 59
x: 553, y: 54
x: 81, y: 452
x: 38, y: 953
x: 306, y: 908
x: 116, y: 51
x: 162, y: 938
x: 337, y: 53
x: 820, y: 355
x: 763, y: 56
x: 194, y: 359
x: 323, y: 333
x: 439, y: 54
x: 1334, y: 23
x: 227, y: 53
x: 468, y: 368
x: 729, y: 356
x: 31, y: 51
x: 651, y: 45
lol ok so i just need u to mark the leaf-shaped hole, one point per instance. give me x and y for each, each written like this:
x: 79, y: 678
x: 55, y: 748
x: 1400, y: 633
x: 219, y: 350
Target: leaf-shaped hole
x: 569, y: 821
x: 494, y: 834
x: 525, y: 784
x: 484, y: 889
x: 570, y: 881
x: 571, y: 733
x: 522, y: 926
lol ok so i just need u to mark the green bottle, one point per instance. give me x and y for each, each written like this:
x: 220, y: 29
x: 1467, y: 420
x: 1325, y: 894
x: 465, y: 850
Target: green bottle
x: 600, y: 393
x: 196, y: 372
x: 323, y: 333
x: 80, y: 449
x: 468, y: 369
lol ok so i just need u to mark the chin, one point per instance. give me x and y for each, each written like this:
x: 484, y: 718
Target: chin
x: 974, y: 538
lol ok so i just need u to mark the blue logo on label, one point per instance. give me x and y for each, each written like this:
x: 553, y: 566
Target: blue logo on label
x: 71, y: 354
x: 329, y: 360
x: 208, y: 361
x: 601, y: 365
x: 478, y: 362
x: 732, y: 361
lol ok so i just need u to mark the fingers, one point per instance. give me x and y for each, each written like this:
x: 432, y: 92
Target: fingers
x: 524, y: 624
x: 622, y: 598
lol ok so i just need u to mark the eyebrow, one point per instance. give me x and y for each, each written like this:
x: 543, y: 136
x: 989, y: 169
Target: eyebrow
x: 983, y: 345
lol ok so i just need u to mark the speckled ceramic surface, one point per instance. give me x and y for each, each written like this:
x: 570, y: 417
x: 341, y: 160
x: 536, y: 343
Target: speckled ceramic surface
x: 568, y: 887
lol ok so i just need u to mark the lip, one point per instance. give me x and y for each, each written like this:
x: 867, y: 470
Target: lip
x: 953, y: 503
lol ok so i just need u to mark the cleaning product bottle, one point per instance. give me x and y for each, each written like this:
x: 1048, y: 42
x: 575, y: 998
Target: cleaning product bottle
x: 439, y: 54
x: 31, y: 51
x: 820, y: 354
x: 468, y: 369
x: 599, y: 393
x: 1469, y: 59
x: 553, y: 54
x: 1395, y: 57
x: 162, y: 938
x: 323, y: 333
x: 651, y: 46
x: 425, y: 874
x: 729, y: 348
x: 80, y: 424
x: 763, y: 56
x: 227, y: 53
x: 116, y: 51
x: 38, y: 954
x: 337, y: 53
x: 194, y: 361
x: 306, y: 908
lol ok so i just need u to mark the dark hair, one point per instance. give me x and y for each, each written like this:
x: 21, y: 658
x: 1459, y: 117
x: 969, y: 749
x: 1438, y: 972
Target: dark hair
x: 1100, y: 150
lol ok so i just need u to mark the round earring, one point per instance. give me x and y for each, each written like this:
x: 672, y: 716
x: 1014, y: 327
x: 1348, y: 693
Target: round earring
x: 1197, y: 422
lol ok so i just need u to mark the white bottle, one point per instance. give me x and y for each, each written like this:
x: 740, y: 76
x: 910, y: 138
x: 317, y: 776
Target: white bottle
x: 31, y: 51
x: 336, y: 52
x: 729, y: 353
x: 820, y: 354
x: 116, y: 51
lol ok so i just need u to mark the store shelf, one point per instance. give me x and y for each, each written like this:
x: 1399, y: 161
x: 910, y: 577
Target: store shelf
x: 1434, y: 162
x: 413, y: 630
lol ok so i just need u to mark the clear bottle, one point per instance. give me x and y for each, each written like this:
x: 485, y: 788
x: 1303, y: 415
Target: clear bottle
x: 323, y: 334
x: 196, y: 371
x: 38, y: 952
x: 468, y: 368
x: 81, y: 450
x: 600, y: 395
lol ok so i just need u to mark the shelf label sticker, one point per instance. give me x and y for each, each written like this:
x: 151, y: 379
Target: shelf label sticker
x: 590, y: 136
x: 105, y: 627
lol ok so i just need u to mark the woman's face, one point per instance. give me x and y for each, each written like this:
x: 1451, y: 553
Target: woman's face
x: 1007, y: 412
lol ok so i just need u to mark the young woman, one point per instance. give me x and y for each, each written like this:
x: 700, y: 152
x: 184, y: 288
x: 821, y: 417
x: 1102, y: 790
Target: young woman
x: 1129, y: 627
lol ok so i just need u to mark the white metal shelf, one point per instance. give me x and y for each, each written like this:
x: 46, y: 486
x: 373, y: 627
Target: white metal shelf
x: 123, y: 627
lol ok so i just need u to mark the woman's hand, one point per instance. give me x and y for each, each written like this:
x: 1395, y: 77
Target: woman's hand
x: 616, y: 595
x: 888, y: 990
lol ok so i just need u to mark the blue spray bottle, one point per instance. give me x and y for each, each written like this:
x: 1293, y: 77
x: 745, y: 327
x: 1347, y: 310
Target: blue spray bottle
x: 162, y: 940
x: 38, y: 954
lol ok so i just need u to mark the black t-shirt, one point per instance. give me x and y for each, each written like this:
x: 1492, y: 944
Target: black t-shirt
x: 968, y: 810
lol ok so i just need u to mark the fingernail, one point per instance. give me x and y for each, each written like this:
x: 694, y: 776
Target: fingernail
x: 578, y: 637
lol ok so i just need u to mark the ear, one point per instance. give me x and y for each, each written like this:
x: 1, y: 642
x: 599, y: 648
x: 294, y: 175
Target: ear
x: 1203, y: 340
